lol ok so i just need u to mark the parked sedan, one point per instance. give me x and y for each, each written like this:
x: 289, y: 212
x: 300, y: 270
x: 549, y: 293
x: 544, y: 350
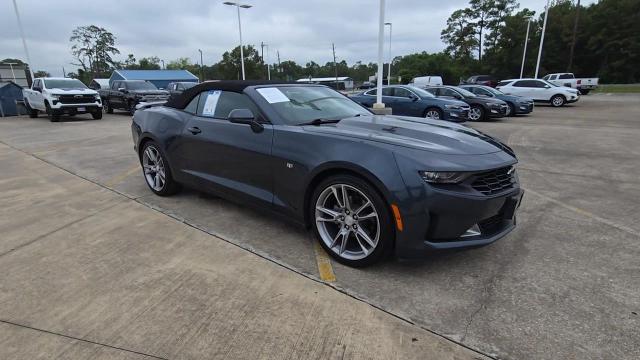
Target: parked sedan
x: 517, y: 104
x: 367, y: 185
x: 413, y: 101
x: 482, y: 107
x: 540, y: 90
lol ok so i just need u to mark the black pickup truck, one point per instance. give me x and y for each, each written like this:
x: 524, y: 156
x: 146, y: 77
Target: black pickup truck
x: 126, y: 94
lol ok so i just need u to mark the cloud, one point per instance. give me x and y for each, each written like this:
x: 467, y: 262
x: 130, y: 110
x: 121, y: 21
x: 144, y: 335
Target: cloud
x: 301, y: 30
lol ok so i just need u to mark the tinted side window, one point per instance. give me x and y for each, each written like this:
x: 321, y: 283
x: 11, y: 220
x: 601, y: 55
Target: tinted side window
x: 537, y: 84
x: 522, y: 83
x: 503, y: 83
x: 226, y: 102
x: 483, y: 78
x: 480, y: 91
x: 193, y: 105
x: 387, y: 92
x: 432, y: 90
x: 448, y: 92
x: 565, y: 76
x: 402, y: 93
x: 372, y: 92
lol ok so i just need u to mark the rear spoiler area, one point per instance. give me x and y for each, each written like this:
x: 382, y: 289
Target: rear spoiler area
x: 147, y: 105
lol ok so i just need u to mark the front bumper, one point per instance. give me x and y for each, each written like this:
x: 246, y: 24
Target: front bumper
x: 85, y: 108
x: 498, y: 111
x: 448, y: 216
x: 573, y: 98
x: 457, y: 115
x: 524, y: 108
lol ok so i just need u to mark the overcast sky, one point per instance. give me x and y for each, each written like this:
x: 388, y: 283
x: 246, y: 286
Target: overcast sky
x: 301, y: 30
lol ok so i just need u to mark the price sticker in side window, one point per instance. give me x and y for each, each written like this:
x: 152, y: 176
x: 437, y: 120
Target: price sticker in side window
x: 211, y: 102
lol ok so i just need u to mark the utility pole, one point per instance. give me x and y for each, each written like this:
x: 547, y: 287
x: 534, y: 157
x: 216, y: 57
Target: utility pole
x: 238, y: 6
x: 262, y: 46
x: 544, y: 28
x: 335, y: 64
x: 64, y: 73
x: 24, y: 42
x: 201, y: 67
x: 379, y: 104
x: 526, y: 42
x: 279, y: 67
x: 162, y: 64
x: 573, y: 40
x: 12, y: 72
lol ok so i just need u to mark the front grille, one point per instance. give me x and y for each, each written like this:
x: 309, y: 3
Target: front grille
x: 76, y: 99
x: 495, y: 181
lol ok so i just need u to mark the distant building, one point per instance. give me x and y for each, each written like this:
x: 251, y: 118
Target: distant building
x: 10, y: 92
x: 339, y: 83
x: 159, y: 78
x: 19, y: 74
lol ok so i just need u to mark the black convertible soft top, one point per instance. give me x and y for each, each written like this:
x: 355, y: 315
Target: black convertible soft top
x: 181, y: 101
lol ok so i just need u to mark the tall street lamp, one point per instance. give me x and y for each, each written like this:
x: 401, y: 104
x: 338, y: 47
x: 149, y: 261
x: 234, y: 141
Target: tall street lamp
x: 544, y: 27
x: 238, y: 6
x: 379, y: 104
x: 201, y: 66
x: 526, y: 42
x: 390, y: 57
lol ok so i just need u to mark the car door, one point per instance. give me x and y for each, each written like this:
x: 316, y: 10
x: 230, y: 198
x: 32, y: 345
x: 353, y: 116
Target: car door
x: 227, y: 157
x: 524, y: 88
x: 405, y: 102
x: 36, y: 99
x: 115, y: 98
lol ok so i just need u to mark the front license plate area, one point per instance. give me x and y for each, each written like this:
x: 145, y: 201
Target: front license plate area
x: 82, y: 109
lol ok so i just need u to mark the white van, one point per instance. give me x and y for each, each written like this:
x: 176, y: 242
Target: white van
x: 426, y: 81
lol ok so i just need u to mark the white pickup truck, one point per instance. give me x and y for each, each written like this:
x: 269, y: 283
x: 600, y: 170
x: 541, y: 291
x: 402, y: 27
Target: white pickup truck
x: 584, y: 85
x: 57, y: 96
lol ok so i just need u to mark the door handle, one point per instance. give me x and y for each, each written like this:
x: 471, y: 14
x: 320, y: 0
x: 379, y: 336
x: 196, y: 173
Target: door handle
x: 194, y: 130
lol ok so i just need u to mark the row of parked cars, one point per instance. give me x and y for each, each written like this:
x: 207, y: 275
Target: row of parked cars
x: 475, y: 99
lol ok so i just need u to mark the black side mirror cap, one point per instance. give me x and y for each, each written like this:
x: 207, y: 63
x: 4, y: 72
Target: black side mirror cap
x: 245, y: 116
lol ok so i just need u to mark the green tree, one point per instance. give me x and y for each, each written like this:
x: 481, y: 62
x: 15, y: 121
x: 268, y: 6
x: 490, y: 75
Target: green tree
x: 149, y: 63
x: 93, y: 47
x: 41, y: 73
x: 459, y: 34
x: 229, y: 67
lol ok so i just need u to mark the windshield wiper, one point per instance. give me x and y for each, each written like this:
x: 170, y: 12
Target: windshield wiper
x: 320, y: 122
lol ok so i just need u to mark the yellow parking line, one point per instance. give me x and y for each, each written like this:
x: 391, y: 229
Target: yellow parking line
x: 117, y: 179
x: 587, y: 214
x: 324, y: 263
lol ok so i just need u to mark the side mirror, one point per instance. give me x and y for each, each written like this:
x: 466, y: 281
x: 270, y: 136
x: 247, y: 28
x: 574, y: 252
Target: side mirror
x: 547, y: 87
x: 245, y: 116
x: 413, y: 97
x: 122, y: 89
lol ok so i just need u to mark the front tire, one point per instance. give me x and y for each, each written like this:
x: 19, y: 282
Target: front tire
x: 106, y: 107
x: 53, y: 117
x: 558, y: 100
x: 97, y: 115
x: 156, y: 170
x: 351, y: 221
x: 511, y: 110
x: 476, y: 113
x: 433, y: 113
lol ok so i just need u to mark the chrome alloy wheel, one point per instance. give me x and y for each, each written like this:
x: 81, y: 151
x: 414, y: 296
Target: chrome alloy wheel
x: 475, y: 113
x: 347, y: 221
x: 153, y: 167
x: 433, y: 114
x: 558, y: 101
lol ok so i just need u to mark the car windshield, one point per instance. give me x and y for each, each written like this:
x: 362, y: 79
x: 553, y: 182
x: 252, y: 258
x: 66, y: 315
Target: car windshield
x: 64, y: 84
x: 421, y: 92
x: 464, y: 92
x: 141, y: 85
x: 301, y: 104
x: 492, y: 90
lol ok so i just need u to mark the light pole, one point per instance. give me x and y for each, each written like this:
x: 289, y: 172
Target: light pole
x: 24, y: 41
x: 12, y: 73
x: 238, y: 6
x: 390, y: 57
x: 201, y: 66
x: 526, y: 42
x: 162, y: 64
x: 379, y: 104
x: 544, y: 27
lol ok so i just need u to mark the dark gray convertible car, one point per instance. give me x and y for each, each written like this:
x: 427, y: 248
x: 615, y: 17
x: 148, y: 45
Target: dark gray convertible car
x: 367, y: 185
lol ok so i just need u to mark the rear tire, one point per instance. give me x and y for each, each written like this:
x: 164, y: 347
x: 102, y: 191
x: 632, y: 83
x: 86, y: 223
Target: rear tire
x: 156, y: 170
x: 364, y: 222
x: 585, y: 92
x: 33, y: 113
x: 558, y: 100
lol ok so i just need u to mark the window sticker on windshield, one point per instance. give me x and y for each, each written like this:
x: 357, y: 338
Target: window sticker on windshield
x: 273, y: 95
x: 211, y: 102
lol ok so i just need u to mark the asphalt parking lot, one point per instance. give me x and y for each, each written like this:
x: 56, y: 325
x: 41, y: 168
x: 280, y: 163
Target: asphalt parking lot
x: 564, y: 285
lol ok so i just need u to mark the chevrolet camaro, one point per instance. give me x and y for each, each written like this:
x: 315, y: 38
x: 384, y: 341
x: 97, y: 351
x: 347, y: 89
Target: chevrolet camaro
x: 367, y: 185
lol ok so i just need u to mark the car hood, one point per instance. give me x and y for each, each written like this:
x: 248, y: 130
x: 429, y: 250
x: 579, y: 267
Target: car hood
x: 487, y: 100
x: 418, y: 133
x: 149, y: 92
x: 77, y: 91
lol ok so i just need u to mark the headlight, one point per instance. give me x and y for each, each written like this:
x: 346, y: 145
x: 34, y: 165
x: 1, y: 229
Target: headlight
x: 453, y: 107
x: 54, y: 97
x: 444, y: 177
